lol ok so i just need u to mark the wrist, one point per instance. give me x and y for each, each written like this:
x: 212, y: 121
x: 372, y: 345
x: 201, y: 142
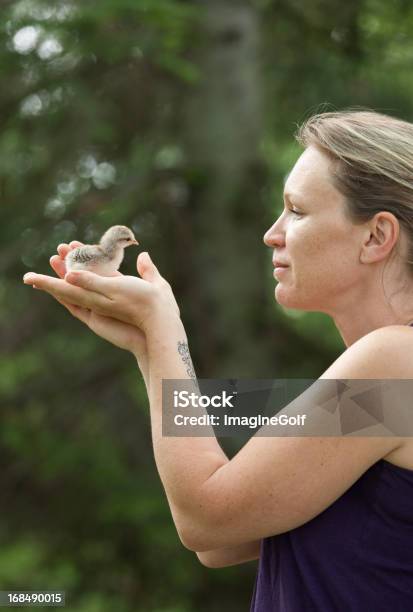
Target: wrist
x: 143, y: 365
x: 141, y: 358
x: 162, y: 322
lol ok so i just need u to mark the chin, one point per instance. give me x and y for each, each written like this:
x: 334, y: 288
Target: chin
x: 288, y: 298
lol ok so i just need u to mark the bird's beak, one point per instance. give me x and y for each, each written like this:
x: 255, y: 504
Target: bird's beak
x: 134, y: 242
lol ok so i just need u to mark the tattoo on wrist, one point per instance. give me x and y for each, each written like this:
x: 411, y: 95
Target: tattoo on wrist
x: 183, y: 350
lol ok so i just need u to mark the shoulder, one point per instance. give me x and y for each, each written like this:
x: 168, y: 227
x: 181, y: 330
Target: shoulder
x: 383, y: 353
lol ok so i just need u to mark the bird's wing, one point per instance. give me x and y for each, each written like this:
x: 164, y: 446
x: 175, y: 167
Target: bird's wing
x: 86, y: 254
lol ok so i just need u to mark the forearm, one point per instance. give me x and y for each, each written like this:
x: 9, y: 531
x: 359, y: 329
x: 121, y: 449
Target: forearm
x: 184, y: 463
x: 143, y: 365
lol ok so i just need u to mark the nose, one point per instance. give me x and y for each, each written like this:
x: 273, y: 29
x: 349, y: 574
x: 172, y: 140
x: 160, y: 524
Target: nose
x: 274, y: 236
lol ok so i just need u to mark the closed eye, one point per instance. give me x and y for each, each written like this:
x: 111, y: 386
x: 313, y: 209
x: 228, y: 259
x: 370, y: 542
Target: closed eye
x: 296, y: 212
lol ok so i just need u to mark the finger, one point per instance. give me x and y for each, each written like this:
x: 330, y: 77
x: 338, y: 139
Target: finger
x: 63, y: 249
x: 91, y: 281
x: 146, y: 268
x: 58, y: 265
x: 68, y: 293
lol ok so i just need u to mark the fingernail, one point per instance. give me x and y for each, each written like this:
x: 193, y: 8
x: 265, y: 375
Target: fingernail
x: 28, y: 277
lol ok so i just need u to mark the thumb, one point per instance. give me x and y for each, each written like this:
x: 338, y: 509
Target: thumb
x: 146, y: 268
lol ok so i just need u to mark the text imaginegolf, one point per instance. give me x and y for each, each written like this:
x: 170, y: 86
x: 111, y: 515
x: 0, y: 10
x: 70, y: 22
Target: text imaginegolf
x: 239, y: 421
x: 260, y: 420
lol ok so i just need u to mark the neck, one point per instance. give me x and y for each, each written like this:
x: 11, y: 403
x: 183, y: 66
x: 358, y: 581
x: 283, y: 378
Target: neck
x: 110, y: 247
x: 367, y: 308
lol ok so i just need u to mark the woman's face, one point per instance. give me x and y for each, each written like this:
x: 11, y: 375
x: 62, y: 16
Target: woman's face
x: 320, y: 246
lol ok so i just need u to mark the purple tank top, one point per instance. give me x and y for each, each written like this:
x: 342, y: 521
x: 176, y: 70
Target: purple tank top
x: 356, y: 556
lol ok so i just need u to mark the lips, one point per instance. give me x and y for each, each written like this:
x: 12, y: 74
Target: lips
x: 279, y: 264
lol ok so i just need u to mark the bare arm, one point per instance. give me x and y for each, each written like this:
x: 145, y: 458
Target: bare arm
x: 273, y: 484
x: 231, y: 555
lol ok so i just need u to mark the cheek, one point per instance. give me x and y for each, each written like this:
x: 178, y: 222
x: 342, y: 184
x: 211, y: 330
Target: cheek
x: 319, y: 240
x: 305, y: 242
x: 325, y: 255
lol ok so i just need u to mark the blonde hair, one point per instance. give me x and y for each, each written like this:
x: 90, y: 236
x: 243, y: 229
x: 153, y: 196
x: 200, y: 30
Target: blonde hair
x: 374, y: 162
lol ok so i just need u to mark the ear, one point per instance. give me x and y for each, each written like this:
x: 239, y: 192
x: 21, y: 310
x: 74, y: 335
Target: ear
x: 381, y: 235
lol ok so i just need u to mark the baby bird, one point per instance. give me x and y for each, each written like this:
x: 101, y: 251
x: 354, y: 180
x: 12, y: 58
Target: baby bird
x: 103, y: 258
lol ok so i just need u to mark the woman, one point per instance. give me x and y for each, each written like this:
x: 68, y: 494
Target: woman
x: 331, y: 518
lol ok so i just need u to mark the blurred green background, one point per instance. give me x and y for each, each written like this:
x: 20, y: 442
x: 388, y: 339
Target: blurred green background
x: 177, y: 119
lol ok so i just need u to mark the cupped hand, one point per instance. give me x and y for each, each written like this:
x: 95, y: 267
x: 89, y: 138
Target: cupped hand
x: 127, y: 337
x: 145, y: 302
